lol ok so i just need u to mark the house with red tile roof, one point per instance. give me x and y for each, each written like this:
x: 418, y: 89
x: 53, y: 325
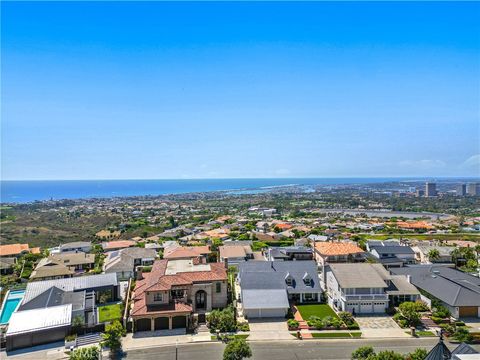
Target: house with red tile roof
x: 14, y: 250
x: 118, y: 244
x: 176, y: 291
x: 335, y: 252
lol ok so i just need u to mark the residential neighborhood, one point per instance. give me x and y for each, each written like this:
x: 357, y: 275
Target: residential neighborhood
x: 235, y: 272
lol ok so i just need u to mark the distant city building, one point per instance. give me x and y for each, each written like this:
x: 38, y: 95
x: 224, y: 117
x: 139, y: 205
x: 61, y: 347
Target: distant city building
x: 420, y: 193
x: 461, y: 190
x: 430, y: 189
x: 473, y: 189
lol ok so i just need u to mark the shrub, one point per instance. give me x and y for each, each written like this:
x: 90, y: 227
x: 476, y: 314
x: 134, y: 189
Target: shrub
x: 336, y: 323
x: 222, y: 320
x: 421, y: 306
x: 293, y: 324
x: 459, y: 323
x: 87, y: 353
x: 462, y: 335
x: 418, y: 354
x: 346, y: 317
x: 441, y: 312
x: 363, y: 353
x: 316, y: 322
x: 243, y: 327
x: 409, y: 313
x: 237, y: 349
x: 289, y: 314
x: 353, y: 327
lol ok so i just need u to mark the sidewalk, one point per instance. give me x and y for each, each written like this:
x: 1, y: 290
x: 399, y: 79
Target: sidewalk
x: 161, y: 338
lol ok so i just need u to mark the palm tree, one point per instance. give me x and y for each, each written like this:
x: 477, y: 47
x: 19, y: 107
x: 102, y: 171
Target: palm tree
x: 433, y: 255
x: 456, y: 254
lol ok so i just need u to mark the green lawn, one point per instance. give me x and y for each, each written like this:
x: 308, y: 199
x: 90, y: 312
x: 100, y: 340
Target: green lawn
x: 422, y: 333
x: 337, y: 335
x: 320, y: 310
x: 110, y: 312
x: 239, y: 336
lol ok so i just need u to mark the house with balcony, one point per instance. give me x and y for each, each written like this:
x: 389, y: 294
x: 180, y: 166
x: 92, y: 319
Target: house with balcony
x: 125, y: 262
x: 289, y: 253
x: 363, y: 288
x: 63, y: 265
x: 337, y: 252
x: 392, y: 255
x: 175, y: 292
x: 268, y: 287
x: 456, y: 290
x: 46, y: 312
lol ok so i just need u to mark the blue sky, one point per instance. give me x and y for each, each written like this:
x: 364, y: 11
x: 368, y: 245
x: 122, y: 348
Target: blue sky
x: 223, y: 90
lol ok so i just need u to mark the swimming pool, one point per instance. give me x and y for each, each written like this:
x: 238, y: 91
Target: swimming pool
x: 10, y: 305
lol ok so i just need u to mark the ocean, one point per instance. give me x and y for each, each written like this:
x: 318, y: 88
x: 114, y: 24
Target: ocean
x: 29, y: 191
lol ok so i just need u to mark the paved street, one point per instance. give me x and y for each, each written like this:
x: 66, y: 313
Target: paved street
x: 282, y: 350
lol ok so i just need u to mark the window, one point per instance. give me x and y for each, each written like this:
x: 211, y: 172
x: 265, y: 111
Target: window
x: 177, y: 294
x: 157, y: 297
x: 289, y: 281
x: 218, y: 287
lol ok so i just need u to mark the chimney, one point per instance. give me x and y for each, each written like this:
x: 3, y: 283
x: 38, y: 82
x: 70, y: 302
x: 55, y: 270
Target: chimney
x: 139, y: 273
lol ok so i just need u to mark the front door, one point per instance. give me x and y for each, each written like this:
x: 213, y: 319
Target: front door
x: 201, y: 300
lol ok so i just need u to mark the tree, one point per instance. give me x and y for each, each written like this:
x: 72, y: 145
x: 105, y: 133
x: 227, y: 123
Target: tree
x: 388, y: 355
x: 462, y: 335
x: 112, y: 337
x: 88, y: 353
x: 433, y: 255
x: 222, y: 320
x: 237, y: 349
x: 456, y: 254
x: 409, y: 312
x: 363, y: 353
x: 418, y: 354
x: 77, y: 323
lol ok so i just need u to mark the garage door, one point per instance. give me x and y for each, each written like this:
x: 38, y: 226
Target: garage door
x: 379, y: 308
x: 161, y: 323
x: 469, y: 311
x: 21, y: 341
x: 265, y: 313
x: 366, y: 308
x: 143, y: 325
x: 179, y: 322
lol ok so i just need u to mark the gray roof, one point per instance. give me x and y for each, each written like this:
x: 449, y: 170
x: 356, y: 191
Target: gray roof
x: 55, y: 297
x: 124, y: 260
x: 265, y: 299
x: 463, y: 349
x: 451, y: 286
x: 271, y: 275
x: 36, y: 288
x: 358, y: 275
x: 76, y: 244
x: 439, y: 352
x: 392, y: 249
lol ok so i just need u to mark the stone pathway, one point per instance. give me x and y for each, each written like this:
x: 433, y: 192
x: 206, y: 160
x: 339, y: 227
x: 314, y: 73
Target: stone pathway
x: 380, y: 327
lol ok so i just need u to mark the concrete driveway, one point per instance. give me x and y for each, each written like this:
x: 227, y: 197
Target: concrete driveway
x: 380, y: 327
x: 269, y: 329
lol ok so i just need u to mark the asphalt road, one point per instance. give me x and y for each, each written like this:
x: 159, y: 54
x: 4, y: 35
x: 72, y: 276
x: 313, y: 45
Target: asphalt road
x: 282, y: 350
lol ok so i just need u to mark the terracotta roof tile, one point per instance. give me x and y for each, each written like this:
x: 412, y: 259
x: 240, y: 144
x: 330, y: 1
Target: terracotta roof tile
x: 336, y: 248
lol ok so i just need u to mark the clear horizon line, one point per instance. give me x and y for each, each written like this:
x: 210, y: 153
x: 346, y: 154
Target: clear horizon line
x: 420, y: 177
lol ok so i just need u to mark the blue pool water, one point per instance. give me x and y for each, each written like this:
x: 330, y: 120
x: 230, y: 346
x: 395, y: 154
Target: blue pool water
x: 10, y: 305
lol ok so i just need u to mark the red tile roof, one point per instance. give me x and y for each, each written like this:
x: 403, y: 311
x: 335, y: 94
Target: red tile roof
x: 14, y: 249
x: 157, y: 280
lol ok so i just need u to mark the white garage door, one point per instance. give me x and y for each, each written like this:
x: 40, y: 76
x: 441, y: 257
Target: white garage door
x: 378, y: 308
x: 265, y: 313
x: 366, y: 307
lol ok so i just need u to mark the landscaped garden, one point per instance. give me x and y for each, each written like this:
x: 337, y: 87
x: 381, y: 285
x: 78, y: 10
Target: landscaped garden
x: 319, y: 310
x: 109, y: 313
x: 322, y: 317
